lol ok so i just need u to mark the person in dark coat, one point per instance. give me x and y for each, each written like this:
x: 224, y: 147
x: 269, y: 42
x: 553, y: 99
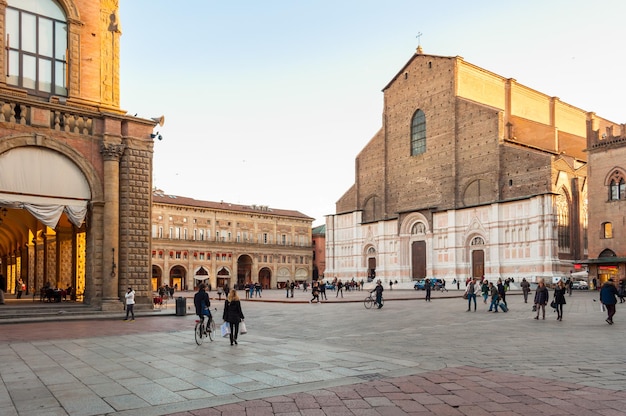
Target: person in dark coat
x: 541, y: 298
x: 502, y: 292
x: 608, y: 298
x: 428, y: 289
x: 525, y: 289
x: 379, y: 294
x: 559, y: 298
x: 201, y: 302
x: 233, y: 314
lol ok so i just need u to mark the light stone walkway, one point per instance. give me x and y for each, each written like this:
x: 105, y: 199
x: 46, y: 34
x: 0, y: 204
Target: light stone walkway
x: 300, y: 347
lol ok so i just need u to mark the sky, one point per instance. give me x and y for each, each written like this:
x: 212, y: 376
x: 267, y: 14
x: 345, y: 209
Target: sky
x: 269, y: 102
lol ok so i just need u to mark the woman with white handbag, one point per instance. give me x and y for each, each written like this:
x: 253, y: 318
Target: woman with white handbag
x: 233, y: 315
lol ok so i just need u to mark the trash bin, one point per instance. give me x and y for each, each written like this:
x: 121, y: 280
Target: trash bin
x: 181, y: 306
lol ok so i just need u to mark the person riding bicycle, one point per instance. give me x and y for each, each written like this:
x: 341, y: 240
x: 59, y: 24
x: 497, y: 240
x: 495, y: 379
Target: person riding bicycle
x: 379, y: 293
x: 201, y: 302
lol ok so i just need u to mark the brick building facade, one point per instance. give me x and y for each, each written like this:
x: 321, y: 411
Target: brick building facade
x: 76, y: 170
x: 607, y: 203
x: 471, y: 174
x: 220, y: 244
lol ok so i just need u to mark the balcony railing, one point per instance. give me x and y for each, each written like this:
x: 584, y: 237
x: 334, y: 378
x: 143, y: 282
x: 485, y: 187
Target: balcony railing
x: 52, y: 114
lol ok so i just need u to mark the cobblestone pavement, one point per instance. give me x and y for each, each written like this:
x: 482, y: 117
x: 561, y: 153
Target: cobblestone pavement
x: 335, y: 358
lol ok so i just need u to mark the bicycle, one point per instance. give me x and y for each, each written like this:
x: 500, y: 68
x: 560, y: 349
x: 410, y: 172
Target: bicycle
x: 201, y: 332
x: 371, y: 301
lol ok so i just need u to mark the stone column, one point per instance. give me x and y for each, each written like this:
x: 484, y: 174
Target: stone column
x: 111, y: 154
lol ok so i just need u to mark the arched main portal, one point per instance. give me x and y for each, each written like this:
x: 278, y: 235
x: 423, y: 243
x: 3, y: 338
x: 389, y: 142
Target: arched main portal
x: 477, y: 245
x: 178, y: 278
x: 43, y: 206
x: 244, y: 270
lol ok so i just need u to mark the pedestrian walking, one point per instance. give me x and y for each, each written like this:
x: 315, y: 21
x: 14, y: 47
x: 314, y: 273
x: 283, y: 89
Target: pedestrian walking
x: 541, y: 298
x: 287, y: 287
x: 525, y: 289
x: 559, y: 299
x: 390, y: 285
x: 484, y: 290
x: 471, y: 295
x: 621, y: 291
x: 20, y: 287
x: 322, y: 287
x: 130, y: 304
x: 428, y: 289
x: 339, y: 288
x: 569, y: 284
x: 502, y: 292
x: 608, y: 298
x: 495, y: 297
x: 233, y: 315
x: 315, y: 291
x: 292, y: 285
x: 258, y: 289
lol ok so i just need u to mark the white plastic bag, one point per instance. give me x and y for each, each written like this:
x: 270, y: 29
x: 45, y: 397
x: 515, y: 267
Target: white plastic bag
x: 225, y: 328
x: 242, y: 328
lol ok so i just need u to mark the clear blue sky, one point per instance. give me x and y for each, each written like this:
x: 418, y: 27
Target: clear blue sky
x: 269, y: 102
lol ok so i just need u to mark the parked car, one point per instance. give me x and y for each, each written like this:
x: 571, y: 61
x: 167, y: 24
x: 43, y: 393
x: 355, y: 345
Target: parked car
x: 421, y: 284
x: 580, y: 285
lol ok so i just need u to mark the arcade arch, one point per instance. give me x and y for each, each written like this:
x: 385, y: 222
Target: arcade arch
x: 46, y: 193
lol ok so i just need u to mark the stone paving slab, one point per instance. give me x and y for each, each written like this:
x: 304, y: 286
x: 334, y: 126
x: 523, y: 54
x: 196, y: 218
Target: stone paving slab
x: 409, y: 357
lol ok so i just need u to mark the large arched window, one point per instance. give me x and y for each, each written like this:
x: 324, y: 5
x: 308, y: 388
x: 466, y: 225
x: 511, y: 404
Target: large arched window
x: 36, y: 43
x: 563, y: 222
x: 418, y: 133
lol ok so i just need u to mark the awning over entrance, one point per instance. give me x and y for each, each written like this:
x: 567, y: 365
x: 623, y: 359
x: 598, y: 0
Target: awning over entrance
x: 45, y: 183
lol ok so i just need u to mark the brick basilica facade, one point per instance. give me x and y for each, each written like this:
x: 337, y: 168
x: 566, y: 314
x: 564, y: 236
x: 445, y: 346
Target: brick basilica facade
x: 471, y: 174
x: 75, y: 169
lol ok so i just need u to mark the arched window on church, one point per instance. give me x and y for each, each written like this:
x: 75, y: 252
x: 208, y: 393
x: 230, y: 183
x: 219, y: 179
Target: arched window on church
x: 418, y: 228
x: 418, y: 133
x: 36, y: 44
x: 563, y: 223
x: 617, y: 186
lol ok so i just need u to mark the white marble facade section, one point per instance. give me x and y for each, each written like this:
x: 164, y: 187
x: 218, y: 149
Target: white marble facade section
x: 518, y: 240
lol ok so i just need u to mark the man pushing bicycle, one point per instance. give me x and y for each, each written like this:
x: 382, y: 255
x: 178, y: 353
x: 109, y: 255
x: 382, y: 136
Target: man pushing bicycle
x: 379, y: 293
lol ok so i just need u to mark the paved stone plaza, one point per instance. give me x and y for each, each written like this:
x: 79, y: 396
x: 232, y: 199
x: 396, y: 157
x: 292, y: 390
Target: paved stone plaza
x: 411, y: 357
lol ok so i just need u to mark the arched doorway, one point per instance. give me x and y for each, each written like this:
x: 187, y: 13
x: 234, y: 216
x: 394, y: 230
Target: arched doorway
x: 371, y: 264
x: 157, y: 278
x: 178, y: 278
x: 265, y: 277
x: 478, y: 257
x: 223, y: 277
x: 244, y: 270
x: 201, y: 276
